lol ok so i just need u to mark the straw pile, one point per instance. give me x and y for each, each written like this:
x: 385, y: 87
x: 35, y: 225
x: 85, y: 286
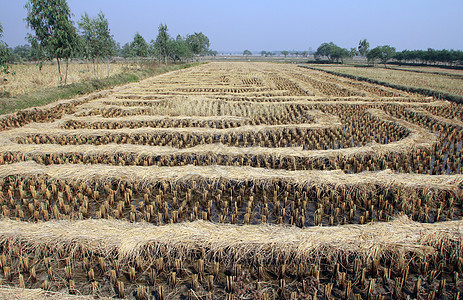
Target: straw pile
x: 9, y: 293
x: 237, y: 244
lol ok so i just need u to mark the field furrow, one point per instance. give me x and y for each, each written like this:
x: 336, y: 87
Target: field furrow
x: 234, y: 181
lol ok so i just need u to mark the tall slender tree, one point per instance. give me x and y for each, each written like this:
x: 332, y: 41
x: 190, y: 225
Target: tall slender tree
x: 363, y: 47
x: 98, y: 43
x: 127, y: 51
x: 162, y: 42
x: 53, y: 30
x: 139, y: 46
x: 4, y: 54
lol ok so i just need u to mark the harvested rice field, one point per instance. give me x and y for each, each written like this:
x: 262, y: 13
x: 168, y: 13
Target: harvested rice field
x: 437, y: 79
x: 234, y: 181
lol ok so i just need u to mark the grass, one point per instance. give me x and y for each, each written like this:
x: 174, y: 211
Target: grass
x: 394, y: 77
x: 25, y: 78
x: 48, y: 94
x: 454, y: 73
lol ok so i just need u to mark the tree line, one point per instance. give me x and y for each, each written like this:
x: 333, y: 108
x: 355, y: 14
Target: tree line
x: 386, y: 53
x: 336, y: 54
x: 430, y: 56
x: 55, y: 37
x: 167, y: 48
x: 285, y: 53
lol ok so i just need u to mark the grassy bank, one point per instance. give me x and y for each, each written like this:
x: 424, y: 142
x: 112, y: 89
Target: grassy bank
x: 51, y: 94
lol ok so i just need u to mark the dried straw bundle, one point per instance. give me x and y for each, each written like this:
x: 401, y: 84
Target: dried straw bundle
x: 7, y: 293
x: 235, y: 244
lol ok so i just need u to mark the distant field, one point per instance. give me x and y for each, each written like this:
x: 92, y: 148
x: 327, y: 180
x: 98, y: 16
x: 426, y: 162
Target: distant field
x: 26, y: 78
x: 419, y: 80
x: 435, y: 70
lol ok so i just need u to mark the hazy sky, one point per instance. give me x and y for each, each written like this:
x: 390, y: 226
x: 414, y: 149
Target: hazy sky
x: 271, y: 25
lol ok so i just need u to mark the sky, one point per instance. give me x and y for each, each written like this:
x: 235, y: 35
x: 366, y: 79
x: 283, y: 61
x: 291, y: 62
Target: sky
x: 270, y: 25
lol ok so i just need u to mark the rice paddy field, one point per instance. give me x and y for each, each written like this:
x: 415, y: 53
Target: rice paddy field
x: 447, y: 80
x: 234, y: 180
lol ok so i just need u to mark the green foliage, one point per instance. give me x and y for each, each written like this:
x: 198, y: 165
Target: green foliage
x: 4, y: 57
x: 127, y: 51
x: 162, y: 42
x: 97, y: 41
x: 37, y: 53
x: 198, y: 43
x: 285, y: 53
x: 431, y: 56
x: 179, y: 49
x: 353, y: 52
x: 211, y: 52
x: 247, y: 52
x: 363, y: 47
x: 21, y: 53
x: 139, y: 46
x: 53, y: 29
x: 333, y: 52
x: 266, y: 53
x: 382, y: 53
x: 4, y: 54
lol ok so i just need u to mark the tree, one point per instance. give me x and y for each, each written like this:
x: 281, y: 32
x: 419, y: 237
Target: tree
x: 430, y: 56
x: 211, y: 52
x: 127, y: 51
x: 332, y: 52
x: 247, y: 53
x: 363, y: 47
x: 179, y: 49
x: 324, y: 50
x: 305, y: 53
x: 37, y: 53
x: 139, y: 46
x: 353, y: 52
x: 285, y: 53
x: 266, y: 53
x: 338, y: 54
x: 198, y: 43
x: 96, y: 38
x: 53, y: 30
x: 4, y: 54
x: 383, y: 53
x: 162, y: 42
